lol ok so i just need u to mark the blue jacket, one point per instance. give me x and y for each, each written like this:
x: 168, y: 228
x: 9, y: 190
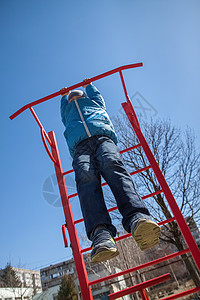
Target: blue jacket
x: 85, y: 117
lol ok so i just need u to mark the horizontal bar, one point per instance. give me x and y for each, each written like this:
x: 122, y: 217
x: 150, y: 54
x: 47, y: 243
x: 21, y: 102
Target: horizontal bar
x: 78, y: 221
x: 182, y: 294
x: 74, y: 87
x: 140, y: 170
x: 152, y: 194
x: 140, y: 286
x: 86, y: 249
x: 73, y: 195
x: 130, y: 148
x: 168, y: 221
x: 145, y: 265
x: 18, y: 112
x: 68, y: 172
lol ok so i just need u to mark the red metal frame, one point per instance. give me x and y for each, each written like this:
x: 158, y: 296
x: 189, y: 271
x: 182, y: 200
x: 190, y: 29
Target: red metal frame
x: 70, y: 222
x: 180, y: 295
x: 72, y: 87
x: 76, y: 248
x: 140, y: 287
x: 165, y: 188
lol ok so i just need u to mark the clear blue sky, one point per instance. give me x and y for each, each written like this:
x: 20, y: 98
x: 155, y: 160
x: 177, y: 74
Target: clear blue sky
x: 46, y: 45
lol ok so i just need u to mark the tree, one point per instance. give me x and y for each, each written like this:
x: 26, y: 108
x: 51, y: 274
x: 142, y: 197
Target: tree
x: 179, y: 161
x: 67, y: 290
x: 9, y: 278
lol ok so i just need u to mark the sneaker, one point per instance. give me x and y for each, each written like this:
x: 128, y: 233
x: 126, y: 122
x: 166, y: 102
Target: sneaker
x: 103, y: 246
x: 146, y: 233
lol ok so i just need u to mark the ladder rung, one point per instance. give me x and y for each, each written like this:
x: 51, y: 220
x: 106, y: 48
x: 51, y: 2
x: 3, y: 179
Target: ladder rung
x: 139, y: 267
x: 140, y: 286
x: 152, y: 194
x: 68, y: 172
x: 140, y: 170
x: 73, y: 195
x: 124, y: 236
x: 105, y: 183
x: 130, y: 148
x: 143, y: 198
x: 115, y: 207
x: 182, y: 294
x: 122, y: 151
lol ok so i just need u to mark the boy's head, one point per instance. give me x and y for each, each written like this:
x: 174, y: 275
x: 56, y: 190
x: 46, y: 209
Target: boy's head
x: 76, y: 94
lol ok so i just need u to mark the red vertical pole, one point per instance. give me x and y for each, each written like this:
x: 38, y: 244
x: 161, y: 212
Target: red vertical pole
x: 143, y: 294
x: 133, y: 114
x: 129, y: 110
x: 76, y: 248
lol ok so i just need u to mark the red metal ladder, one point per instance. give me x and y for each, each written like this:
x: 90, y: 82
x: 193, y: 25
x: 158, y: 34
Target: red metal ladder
x: 85, y: 285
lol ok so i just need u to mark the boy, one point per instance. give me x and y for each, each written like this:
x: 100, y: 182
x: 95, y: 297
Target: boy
x: 92, y: 144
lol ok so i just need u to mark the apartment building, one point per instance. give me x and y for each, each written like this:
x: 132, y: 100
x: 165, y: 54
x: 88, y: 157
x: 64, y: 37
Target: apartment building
x: 52, y: 276
x: 29, y: 278
x: 29, y: 286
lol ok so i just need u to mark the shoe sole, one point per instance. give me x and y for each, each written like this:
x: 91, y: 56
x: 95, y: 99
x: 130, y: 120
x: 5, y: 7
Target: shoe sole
x: 104, y: 254
x: 147, y: 234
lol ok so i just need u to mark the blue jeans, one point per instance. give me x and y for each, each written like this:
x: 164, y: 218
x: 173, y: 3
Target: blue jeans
x: 95, y: 157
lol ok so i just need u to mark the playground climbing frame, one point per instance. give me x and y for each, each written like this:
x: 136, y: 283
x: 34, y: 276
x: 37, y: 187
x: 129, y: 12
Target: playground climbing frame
x: 70, y: 223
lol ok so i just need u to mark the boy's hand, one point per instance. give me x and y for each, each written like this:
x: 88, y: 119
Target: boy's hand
x: 87, y: 79
x: 63, y: 93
